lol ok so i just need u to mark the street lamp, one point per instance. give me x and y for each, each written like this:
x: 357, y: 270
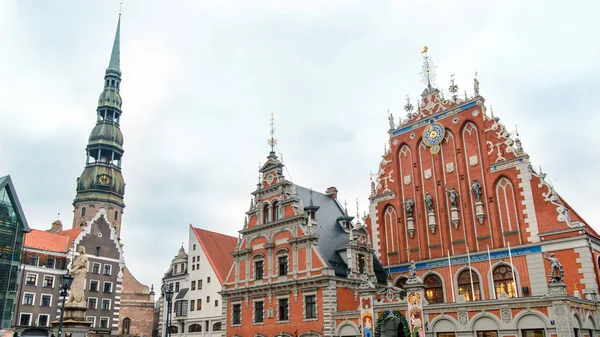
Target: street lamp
x: 167, y: 293
x: 65, y: 285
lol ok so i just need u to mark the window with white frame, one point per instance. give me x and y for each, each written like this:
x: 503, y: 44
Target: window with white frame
x: 25, y: 319
x: 282, y: 262
x: 310, y: 306
x: 107, y: 269
x: 236, y: 313
x: 28, y: 298
x: 107, y: 287
x: 43, y: 320
x: 96, y: 268
x: 193, y: 285
x: 94, y: 285
x: 91, y: 319
x: 50, y: 262
x: 33, y: 260
x: 104, y: 322
x: 259, y: 312
x: 105, y: 304
x: 31, y: 279
x: 92, y: 302
x: 48, y: 281
x: 46, y: 300
x: 283, y: 307
x: 258, y: 267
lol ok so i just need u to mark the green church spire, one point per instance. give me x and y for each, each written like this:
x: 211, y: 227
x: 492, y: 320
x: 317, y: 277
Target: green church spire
x: 116, y: 50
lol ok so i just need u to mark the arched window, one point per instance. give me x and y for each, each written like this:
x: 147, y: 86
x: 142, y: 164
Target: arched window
x: 434, y: 292
x: 116, y: 215
x: 503, y: 281
x: 195, y: 328
x: 265, y: 213
x: 173, y: 329
x: 217, y: 326
x: 465, y: 279
x: 276, y: 206
x: 126, y: 326
x: 390, y: 229
x: 83, y: 211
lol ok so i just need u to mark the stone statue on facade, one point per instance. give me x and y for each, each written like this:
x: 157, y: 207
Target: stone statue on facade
x: 409, y: 206
x: 412, y: 270
x: 453, y: 195
x: 79, y: 269
x: 476, y: 85
x: 476, y: 190
x: 557, y: 273
x: 391, y: 119
x: 429, y: 202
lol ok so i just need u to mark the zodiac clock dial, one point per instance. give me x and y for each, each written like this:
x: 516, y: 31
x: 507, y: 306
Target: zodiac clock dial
x: 433, y: 135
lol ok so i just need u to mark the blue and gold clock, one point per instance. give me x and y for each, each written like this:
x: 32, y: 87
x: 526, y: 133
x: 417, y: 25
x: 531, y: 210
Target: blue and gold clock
x: 433, y: 135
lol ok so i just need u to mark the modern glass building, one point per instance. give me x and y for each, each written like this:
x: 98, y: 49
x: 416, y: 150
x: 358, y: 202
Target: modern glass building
x: 13, y: 227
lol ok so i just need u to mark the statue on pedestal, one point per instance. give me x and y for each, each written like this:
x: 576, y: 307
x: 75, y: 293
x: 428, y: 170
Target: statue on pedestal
x: 412, y: 270
x: 476, y: 190
x: 453, y: 195
x: 79, y: 269
x: 557, y: 274
x: 409, y: 207
x: 429, y: 203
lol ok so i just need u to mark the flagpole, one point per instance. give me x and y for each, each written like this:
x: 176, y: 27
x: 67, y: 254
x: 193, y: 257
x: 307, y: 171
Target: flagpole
x: 451, y: 276
x: 512, y: 268
x: 471, y: 275
x: 491, y: 273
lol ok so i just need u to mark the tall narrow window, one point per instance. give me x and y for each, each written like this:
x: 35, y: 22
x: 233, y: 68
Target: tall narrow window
x: 275, y: 211
x: 116, y: 215
x: 258, y: 312
x: 266, y: 214
x: 283, y: 309
x: 83, y: 211
x: 361, y: 264
x: 433, y: 289
x: 258, y: 270
x: 468, y: 285
x: 236, y: 316
x: 310, y: 307
x: 503, y: 281
x: 283, y: 265
x: 126, y: 325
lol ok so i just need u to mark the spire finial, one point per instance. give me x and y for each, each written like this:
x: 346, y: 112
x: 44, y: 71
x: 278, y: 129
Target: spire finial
x: 120, y: 8
x: 346, y: 206
x: 272, y: 141
x: 357, y: 212
x: 259, y: 180
x: 428, y: 69
x: 408, y: 107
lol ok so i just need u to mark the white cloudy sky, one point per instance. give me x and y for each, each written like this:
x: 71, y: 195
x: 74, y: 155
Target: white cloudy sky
x: 201, y: 78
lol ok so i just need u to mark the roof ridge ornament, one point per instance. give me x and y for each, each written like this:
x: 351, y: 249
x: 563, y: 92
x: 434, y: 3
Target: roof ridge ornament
x: 272, y: 141
x: 428, y: 70
x: 453, y: 88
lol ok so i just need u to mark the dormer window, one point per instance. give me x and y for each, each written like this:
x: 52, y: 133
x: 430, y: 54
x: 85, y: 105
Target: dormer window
x: 265, y: 213
x: 276, y: 207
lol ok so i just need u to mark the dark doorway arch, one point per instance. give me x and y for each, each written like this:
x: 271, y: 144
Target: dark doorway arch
x: 391, y: 323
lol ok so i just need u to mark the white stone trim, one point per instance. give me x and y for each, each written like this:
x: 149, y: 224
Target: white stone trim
x: 36, y: 279
x: 304, y: 295
x: 375, y: 228
x: 87, y: 318
x: 111, y: 287
x: 53, y: 280
x: 264, y: 316
x: 538, y: 280
x: 26, y: 313
x: 37, y: 322
x: 529, y: 214
x: 277, y: 298
x: 109, y: 305
x: 241, y: 313
x: 587, y: 268
x: 87, y: 304
x: 107, y: 322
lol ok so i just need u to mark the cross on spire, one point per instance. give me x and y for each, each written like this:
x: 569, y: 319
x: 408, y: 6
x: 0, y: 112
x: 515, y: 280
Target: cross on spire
x: 272, y: 141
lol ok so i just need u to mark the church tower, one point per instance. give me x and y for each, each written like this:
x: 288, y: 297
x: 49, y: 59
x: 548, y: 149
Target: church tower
x: 101, y: 183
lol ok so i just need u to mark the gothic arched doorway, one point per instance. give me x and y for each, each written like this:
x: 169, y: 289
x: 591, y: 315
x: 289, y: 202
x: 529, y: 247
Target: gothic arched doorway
x: 391, y: 323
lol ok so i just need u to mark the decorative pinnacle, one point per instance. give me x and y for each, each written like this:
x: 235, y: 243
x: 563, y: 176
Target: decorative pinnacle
x: 346, y: 206
x: 408, y: 107
x: 428, y: 69
x: 453, y: 88
x: 272, y: 141
x: 357, y: 211
x: 120, y: 8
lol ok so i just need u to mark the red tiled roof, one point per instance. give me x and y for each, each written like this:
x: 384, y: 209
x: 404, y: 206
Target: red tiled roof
x: 218, y: 248
x: 55, y: 242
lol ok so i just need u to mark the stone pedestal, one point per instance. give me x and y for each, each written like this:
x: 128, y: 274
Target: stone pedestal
x: 74, y: 322
x: 557, y: 289
x: 411, y: 226
x: 432, y: 224
x: 479, y: 212
x: 454, y: 217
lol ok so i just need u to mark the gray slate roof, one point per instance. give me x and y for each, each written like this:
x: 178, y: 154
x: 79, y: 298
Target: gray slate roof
x: 332, y: 237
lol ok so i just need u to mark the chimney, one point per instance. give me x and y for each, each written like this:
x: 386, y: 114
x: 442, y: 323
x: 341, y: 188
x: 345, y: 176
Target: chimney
x: 332, y: 192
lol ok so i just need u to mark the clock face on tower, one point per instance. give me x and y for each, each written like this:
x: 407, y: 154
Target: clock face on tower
x: 104, y: 179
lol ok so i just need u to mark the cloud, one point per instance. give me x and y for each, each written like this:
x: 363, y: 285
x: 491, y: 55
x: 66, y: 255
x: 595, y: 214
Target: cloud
x: 200, y: 80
